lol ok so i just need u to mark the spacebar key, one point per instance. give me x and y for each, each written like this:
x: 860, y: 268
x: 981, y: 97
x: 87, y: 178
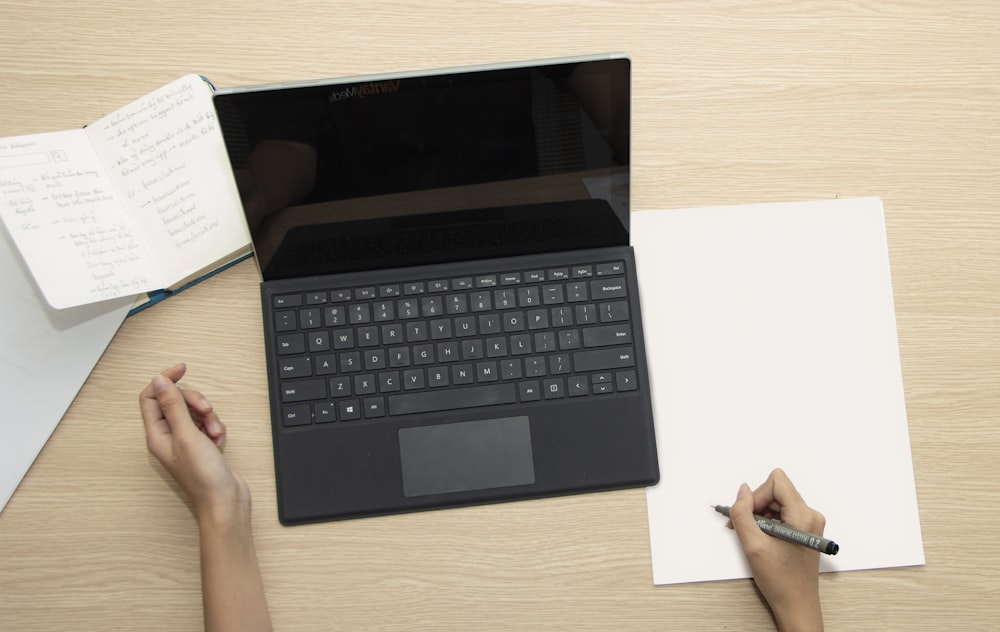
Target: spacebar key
x: 451, y: 399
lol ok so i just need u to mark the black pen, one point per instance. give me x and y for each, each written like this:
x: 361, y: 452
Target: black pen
x: 781, y: 530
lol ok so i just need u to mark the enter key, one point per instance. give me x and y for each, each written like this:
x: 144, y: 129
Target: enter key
x: 607, y: 335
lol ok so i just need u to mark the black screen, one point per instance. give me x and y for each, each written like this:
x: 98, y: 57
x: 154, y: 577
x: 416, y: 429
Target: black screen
x: 443, y: 166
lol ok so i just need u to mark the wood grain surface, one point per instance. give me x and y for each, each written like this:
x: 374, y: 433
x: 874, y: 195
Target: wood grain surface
x: 734, y: 101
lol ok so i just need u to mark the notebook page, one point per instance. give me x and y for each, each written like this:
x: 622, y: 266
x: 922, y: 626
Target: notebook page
x: 167, y: 158
x: 67, y: 221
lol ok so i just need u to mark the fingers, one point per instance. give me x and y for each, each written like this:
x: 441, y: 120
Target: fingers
x: 741, y: 515
x: 205, y: 417
x: 778, y: 497
x: 167, y: 409
x: 173, y: 405
x: 157, y: 428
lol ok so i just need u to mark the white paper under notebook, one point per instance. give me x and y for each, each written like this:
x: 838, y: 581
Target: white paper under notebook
x: 771, y: 337
x: 46, y: 355
x: 144, y: 199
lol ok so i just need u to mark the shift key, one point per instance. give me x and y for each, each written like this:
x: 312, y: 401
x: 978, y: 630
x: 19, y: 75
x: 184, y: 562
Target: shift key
x: 601, y: 359
x: 302, y: 390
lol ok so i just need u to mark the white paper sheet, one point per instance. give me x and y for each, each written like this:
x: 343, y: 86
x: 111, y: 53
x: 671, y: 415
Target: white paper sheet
x: 771, y: 337
x: 45, y: 357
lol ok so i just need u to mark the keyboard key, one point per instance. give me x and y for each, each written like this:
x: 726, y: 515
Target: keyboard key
x: 388, y: 382
x: 364, y: 384
x: 602, y: 359
x: 559, y: 364
x: 309, y: 318
x: 613, y: 312
x: 626, y: 381
x: 462, y: 374
x: 552, y: 294
x: 486, y: 280
x: 359, y: 313
x: 437, y: 377
x: 334, y: 316
x: 413, y: 379
x: 465, y: 326
x: 487, y: 372
x: 452, y: 399
x: 529, y: 391
x: 601, y: 289
x: 316, y: 298
x: 554, y: 389
x: 319, y: 341
x: 374, y: 407
x: 538, y: 319
x: 510, y: 369
x: 349, y: 410
x: 431, y: 306
x: 608, y: 269
x: 325, y: 412
x: 302, y: 390
x: 569, y: 339
x: 285, y: 321
x: 298, y: 415
x: 287, y: 300
x: 340, y: 386
x: 513, y: 321
x: 529, y: 296
x: 603, y: 388
x: 606, y: 336
x: 576, y: 292
x: 489, y: 324
x: 456, y: 304
x: 350, y: 362
x: 343, y: 339
x: 577, y: 386
x: 326, y: 364
x: 290, y: 344
x: 414, y: 288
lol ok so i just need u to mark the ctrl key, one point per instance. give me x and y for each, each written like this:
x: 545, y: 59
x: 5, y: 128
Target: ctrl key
x: 298, y: 415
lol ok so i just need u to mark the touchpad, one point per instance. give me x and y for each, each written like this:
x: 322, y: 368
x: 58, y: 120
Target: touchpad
x: 465, y: 456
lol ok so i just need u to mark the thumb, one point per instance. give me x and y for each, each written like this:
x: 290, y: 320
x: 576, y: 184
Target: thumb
x: 173, y: 405
x: 741, y: 515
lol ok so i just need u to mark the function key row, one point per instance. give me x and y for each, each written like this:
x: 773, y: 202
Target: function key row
x: 416, y: 288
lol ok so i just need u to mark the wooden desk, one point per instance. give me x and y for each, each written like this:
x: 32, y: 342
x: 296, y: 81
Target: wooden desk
x: 737, y: 101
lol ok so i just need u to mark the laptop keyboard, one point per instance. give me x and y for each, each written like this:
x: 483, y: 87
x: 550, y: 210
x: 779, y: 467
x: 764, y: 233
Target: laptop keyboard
x: 367, y: 353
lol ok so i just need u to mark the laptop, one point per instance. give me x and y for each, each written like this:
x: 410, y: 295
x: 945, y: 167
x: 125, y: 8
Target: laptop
x: 451, y: 314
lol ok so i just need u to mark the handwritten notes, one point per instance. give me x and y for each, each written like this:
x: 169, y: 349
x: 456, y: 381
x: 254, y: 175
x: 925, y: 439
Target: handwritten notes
x: 140, y: 200
x: 64, y: 215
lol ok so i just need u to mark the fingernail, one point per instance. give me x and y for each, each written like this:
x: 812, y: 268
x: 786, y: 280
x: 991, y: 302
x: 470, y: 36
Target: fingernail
x: 744, y: 490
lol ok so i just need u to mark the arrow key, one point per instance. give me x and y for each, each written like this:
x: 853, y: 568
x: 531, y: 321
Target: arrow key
x: 625, y: 381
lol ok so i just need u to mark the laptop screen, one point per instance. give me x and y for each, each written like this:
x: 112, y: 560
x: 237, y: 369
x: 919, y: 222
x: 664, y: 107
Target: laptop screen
x: 393, y: 171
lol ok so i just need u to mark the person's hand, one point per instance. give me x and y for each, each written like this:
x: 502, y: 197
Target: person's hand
x: 185, y: 434
x: 787, y: 574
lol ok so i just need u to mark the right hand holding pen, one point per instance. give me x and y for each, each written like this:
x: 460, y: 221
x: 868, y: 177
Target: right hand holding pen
x: 787, y: 574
